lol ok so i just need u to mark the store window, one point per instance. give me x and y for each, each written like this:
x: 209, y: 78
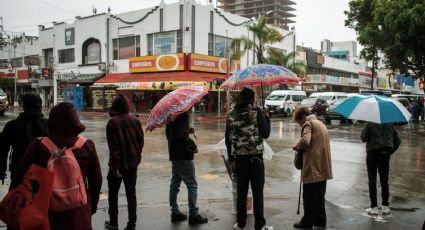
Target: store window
x: 66, y: 56
x: 4, y: 64
x: 91, y: 51
x: 126, y: 47
x: 16, y: 62
x: 217, y: 45
x: 165, y: 43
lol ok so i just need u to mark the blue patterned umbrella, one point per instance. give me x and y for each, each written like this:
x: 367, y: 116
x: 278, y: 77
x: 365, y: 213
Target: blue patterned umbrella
x: 261, y: 74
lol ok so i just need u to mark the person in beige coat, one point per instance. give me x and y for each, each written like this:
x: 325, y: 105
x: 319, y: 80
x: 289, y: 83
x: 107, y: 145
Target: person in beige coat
x: 317, y: 167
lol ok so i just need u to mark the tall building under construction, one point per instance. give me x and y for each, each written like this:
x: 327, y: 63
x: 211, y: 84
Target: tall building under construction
x: 278, y: 11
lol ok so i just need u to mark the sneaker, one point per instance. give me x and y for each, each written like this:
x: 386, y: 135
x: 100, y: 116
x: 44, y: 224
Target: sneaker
x: 176, y: 217
x: 385, y: 210
x: 130, y: 228
x: 301, y: 225
x: 236, y: 227
x: 267, y: 228
x: 110, y: 226
x: 197, y: 219
x: 372, y: 211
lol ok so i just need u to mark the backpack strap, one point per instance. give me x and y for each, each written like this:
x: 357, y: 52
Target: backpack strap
x: 51, y: 147
x: 79, y: 143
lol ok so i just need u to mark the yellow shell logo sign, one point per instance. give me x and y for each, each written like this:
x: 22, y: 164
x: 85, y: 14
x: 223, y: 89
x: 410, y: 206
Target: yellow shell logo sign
x: 167, y: 62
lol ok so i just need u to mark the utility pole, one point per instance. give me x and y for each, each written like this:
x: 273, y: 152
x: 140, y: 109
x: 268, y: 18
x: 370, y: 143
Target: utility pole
x: 55, y: 87
x: 14, y: 68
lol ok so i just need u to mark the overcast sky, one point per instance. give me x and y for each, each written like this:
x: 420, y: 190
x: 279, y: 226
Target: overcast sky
x: 315, y: 21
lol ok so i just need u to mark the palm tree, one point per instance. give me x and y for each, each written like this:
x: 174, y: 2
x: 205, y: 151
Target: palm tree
x: 264, y: 37
x: 278, y: 57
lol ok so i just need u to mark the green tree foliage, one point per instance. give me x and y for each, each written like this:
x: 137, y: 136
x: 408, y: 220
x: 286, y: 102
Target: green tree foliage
x: 277, y: 57
x: 394, y: 28
x: 264, y: 37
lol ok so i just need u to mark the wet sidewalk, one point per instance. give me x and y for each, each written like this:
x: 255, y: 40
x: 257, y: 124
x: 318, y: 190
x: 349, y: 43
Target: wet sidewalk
x: 280, y: 213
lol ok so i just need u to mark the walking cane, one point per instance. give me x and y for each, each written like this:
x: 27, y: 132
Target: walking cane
x: 299, y: 196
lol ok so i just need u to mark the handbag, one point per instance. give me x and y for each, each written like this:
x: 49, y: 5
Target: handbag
x: 27, y: 205
x: 298, y: 160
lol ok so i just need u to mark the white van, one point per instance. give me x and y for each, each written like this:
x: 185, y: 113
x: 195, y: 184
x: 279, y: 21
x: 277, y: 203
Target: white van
x: 329, y: 97
x: 284, y: 101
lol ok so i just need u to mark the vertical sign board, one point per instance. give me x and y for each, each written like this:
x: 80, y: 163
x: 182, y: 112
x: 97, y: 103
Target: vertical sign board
x: 74, y: 95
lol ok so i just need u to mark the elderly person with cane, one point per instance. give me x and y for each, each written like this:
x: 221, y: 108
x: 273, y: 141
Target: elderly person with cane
x: 316, y: 167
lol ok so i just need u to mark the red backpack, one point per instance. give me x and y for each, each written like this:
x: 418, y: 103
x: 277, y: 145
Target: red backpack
x: 68, y: 189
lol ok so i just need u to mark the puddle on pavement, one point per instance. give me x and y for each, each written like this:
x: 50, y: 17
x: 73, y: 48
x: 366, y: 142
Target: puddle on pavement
x: 209, y: 176
x: 379, y: 218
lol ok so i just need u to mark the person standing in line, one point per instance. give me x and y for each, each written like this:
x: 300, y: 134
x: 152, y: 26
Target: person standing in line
x: 64, y: 129
x: 19, y: 133
x: 125, y: 138
x: 382, y: 140
x: 314, y: 144
x: 181, y: 151
x: 246, y: 127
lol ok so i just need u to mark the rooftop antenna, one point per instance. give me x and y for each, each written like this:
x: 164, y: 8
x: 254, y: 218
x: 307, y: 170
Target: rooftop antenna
x: 94, y: 10
x: 109, y: 10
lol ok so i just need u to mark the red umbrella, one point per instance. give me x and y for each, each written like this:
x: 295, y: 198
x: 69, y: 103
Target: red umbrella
x: 174, y: 104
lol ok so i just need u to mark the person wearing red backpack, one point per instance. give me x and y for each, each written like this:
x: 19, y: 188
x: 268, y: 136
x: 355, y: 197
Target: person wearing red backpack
x: 125, y: 141
x: 64, y: 129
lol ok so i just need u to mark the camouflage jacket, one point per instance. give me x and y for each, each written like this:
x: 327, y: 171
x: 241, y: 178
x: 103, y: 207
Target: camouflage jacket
x: 245, y: 129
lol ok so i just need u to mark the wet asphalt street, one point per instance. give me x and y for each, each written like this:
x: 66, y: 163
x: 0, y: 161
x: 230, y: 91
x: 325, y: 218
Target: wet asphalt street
x: 347, y: 192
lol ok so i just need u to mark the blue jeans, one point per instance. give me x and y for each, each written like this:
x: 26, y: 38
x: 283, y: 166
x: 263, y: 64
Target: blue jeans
x: 184, y: 171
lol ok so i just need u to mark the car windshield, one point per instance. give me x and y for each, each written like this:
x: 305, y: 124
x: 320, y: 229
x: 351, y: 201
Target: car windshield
x: 326, y: 98
x: 339, y: 101
x: 276, y: 97
x: 308, y: 101
x: 2, y: 93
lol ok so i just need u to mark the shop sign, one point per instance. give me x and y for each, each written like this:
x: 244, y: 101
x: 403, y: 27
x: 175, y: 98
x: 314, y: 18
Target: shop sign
x: 167, y: 62
x: 382, y: 82
x: 32, y: 60
x: 212, y: 64
x: 316, y: 78
x: 167, y: 85
x: 332, y: 79
x: 344, y: 80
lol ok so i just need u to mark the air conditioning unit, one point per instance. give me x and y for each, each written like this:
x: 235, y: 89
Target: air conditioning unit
x: 102, y: 66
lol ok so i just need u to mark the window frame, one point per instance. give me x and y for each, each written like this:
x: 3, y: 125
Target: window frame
x: 67, y: 53
x: 178, y: 42
x: 116, y: 47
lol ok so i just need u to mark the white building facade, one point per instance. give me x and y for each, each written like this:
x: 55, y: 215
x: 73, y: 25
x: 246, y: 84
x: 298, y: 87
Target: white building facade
x: 162, y: 45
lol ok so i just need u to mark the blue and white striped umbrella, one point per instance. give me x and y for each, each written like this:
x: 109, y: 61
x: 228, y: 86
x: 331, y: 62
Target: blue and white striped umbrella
x: 374, y: 109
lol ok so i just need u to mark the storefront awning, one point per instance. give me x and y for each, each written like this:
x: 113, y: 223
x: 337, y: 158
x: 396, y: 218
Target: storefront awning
x: 83, y: 78
x: 160, y: 76
x: 160, y: 81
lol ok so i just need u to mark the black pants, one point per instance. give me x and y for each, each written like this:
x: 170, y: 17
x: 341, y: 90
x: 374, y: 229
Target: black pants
x: 314, y: 204
x: 250, y: 169
x: 378, y: 161
x: 129, y: 177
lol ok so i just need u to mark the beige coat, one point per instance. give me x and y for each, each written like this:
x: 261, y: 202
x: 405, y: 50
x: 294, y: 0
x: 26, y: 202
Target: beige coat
x: 317, y: 164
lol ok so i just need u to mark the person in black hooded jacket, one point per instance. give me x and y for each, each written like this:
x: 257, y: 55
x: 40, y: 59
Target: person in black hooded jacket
x: 125, y: 138
x: 20, y: 132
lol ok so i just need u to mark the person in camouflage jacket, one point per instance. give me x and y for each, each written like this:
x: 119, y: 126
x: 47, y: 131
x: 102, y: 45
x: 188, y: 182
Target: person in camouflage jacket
x: 246, y: 127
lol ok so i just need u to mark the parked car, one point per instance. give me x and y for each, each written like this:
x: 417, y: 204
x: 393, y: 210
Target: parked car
x: 316, y: 105
x: 329, y: 97
x: 4, y: 102
x: 330, y: 114
x: 284, y: 101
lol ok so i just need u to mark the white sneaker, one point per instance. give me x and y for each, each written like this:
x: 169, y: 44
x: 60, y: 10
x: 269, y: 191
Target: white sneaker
x: 372, y: 211
x: 267, y: 228
x: 385, y: 210
x: 236, y: 227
